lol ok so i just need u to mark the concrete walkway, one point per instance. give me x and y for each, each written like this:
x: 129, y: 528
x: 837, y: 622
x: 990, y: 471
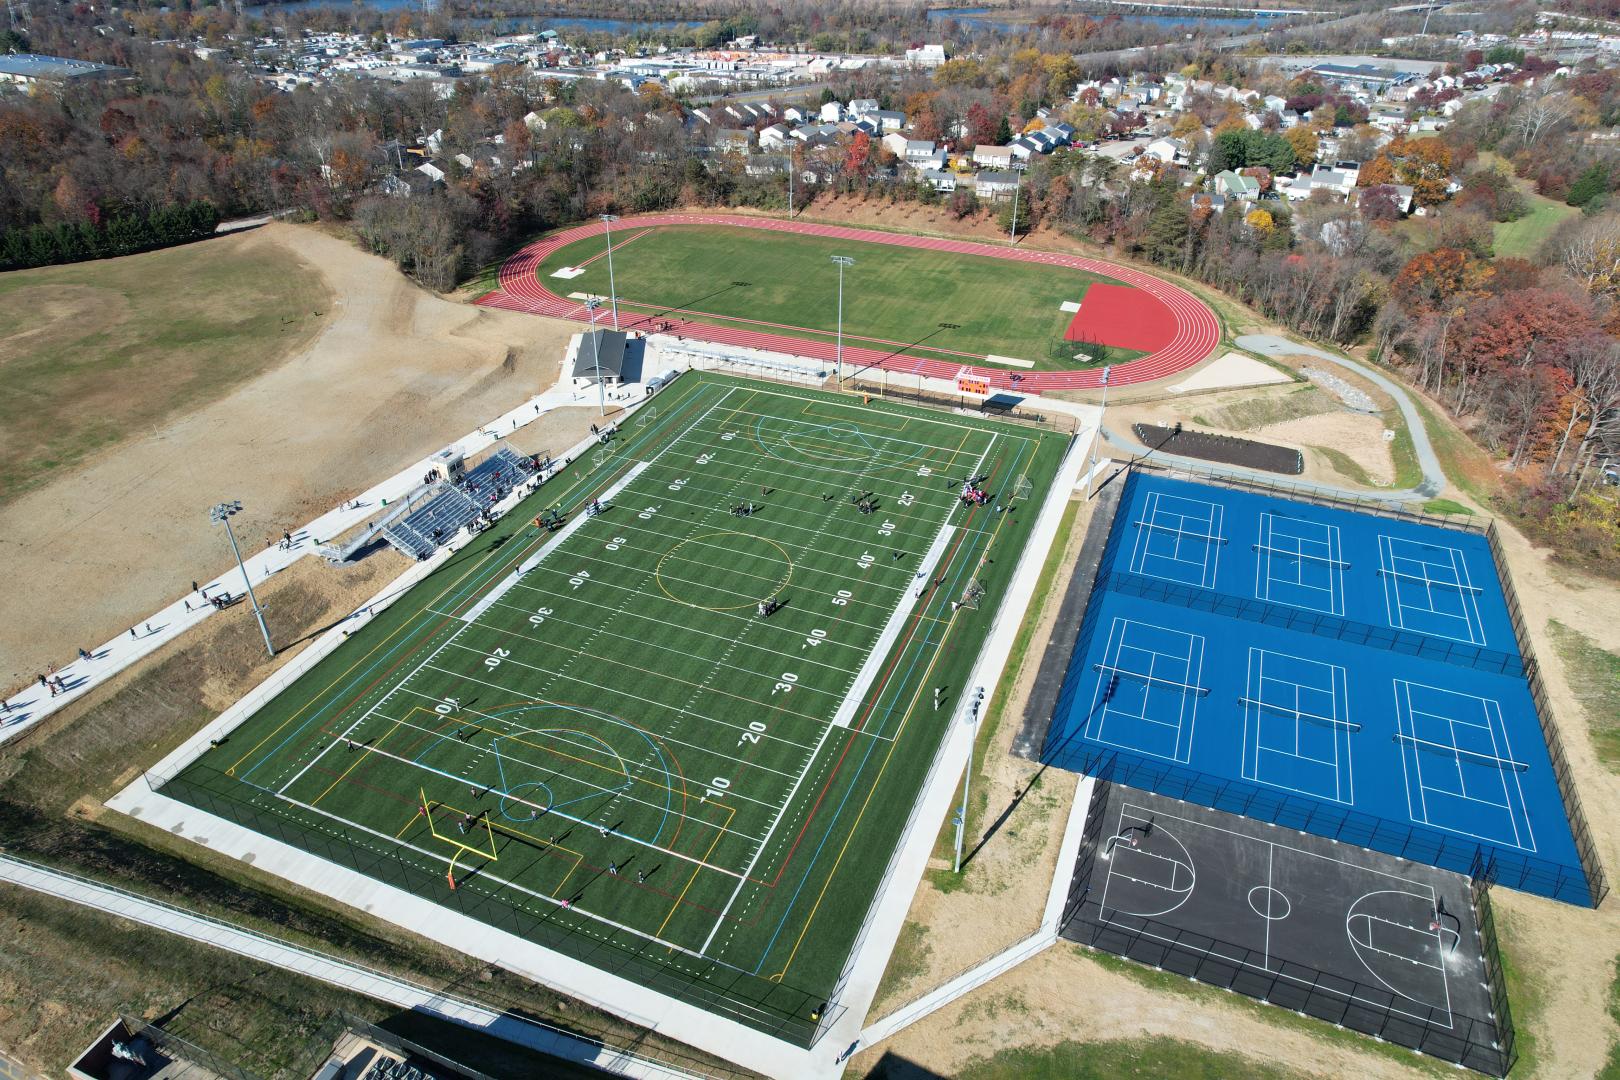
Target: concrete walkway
x: 35, y: 702
x: 332, y: 970
x: 1434, y: 477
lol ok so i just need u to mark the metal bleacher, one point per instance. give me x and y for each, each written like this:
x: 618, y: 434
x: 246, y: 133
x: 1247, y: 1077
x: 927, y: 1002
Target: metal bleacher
x: 447, y: 510
x: 497, y: 474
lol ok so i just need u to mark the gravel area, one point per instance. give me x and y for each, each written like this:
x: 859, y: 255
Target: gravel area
x: 1353, y: 398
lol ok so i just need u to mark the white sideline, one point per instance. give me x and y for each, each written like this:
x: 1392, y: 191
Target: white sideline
x: 888, y: 912
x: 331, y: 969
x: 891, y: 630
x: 547, y: 548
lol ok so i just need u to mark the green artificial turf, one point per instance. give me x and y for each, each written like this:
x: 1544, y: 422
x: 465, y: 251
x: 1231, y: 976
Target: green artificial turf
x: 894, y: 297
x: 619, y: 757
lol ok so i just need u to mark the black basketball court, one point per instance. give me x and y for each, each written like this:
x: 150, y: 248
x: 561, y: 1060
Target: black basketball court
x: 1392, y: 948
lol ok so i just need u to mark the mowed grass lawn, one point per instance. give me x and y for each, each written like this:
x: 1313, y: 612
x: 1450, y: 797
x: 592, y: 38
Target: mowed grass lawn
x: 97, y: 352
x: 617, y: 755
x: 893, y: 296
x: 1524, y: 237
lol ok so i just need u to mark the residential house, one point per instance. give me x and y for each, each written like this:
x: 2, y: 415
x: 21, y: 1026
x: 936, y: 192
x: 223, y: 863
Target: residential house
x: 992, y: 157
x: 939, y: 179
x: 773, y: 137
x: 927, y: 56
x: 1234, y: 185
x: 832, y: 112
x: 886, y: 119
x: 995, y: 185
x: 1168, y: 151
x: 732, y: 140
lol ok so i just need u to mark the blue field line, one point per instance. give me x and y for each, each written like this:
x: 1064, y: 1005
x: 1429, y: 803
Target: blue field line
x: 871, y: 747
x: 410, y: 637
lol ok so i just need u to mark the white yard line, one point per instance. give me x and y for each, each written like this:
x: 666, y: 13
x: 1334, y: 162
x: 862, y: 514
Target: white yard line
x: 477, y: 610
x: 748, y: 870
x: 446, y: 643
x: 897, y: 617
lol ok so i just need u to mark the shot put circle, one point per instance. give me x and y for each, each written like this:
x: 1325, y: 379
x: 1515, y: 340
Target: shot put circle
x: 706, y: 576
x: 1269, y: 903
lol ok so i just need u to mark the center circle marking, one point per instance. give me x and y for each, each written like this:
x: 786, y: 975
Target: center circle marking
x: 1269, y: 904
x: 717, y: 575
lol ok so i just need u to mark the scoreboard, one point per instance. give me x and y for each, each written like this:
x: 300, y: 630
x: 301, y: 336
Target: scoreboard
x: 969, y: 383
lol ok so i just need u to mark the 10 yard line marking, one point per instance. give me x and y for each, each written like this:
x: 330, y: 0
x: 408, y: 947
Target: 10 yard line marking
x: 763, y: 844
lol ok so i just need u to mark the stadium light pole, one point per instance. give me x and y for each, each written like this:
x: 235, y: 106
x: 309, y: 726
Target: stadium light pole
x: 842, y: 261
x: 1018, y: 168
x: 596, y: 353
x: 220, y: 514
x: 967, y: 777
x: 613, y: 292
x: 1101, y: 412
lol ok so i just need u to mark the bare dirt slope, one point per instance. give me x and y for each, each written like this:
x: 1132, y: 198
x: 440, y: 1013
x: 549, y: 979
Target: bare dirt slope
x: 396, y: 373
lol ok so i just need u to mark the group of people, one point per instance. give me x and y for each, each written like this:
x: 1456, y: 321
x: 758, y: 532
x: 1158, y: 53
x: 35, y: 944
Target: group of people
x: 603, y: 434
x: 594, y: 507
x: 767, y: 607
x: 865, y: 502
x: 743, y: 510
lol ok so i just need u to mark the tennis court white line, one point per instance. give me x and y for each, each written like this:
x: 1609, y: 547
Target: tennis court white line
x: 1255, y: 704
x: 1406, y: 715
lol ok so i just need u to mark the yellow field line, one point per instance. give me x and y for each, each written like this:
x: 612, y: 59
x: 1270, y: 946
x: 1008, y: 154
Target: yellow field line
x: 344, y: 775
x: 876, y: 781
x: 702, y: 865
x: 362, y: 658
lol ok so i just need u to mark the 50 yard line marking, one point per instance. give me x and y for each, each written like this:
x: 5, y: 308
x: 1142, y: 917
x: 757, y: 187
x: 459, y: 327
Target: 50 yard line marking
x: 748, y: 871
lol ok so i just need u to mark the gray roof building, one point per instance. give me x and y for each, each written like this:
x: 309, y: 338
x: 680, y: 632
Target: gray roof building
x: 604, y: 347
x: 30, y: 68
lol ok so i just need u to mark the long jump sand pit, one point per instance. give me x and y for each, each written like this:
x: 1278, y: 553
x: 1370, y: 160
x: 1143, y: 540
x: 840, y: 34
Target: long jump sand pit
x: 395, y: 373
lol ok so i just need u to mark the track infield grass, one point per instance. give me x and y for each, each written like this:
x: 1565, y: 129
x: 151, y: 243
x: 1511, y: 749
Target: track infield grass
x: 608, y: 748
x: 894, y: 297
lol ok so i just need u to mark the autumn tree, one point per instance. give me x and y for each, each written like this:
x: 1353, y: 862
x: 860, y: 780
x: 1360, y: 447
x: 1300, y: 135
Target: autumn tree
x: 1424, y: 165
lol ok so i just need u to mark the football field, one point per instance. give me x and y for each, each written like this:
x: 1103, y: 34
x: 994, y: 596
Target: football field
x: 678, y: 738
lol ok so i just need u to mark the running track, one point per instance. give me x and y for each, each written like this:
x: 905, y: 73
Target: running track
x: 1197, y: 331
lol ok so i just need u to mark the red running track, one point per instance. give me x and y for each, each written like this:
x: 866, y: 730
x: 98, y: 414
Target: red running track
x: 1196, y: 334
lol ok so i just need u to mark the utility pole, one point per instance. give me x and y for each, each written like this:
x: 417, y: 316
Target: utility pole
x: 613, y: 292
x: 220, y: 514
x: 842, y: 261
x: 1018, y: 168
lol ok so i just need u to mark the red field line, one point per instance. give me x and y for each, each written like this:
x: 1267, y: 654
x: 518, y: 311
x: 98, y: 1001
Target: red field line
x: 1197, y: 331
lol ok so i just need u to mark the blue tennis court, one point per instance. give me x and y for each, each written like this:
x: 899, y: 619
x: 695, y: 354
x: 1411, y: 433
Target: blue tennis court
x: 1346, y: 674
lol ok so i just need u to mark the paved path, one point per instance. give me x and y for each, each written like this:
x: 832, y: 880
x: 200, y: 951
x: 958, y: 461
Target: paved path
x: 330, y: 969
x: 1197, y: 329
x: 1434, y: 477
x: 35, y: 702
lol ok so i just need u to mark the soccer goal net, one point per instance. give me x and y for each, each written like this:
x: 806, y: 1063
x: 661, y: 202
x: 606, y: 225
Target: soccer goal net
x: 649, y: 414
x: 972, y: 594
x: 601, y: 457
x: 1022, y: 489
